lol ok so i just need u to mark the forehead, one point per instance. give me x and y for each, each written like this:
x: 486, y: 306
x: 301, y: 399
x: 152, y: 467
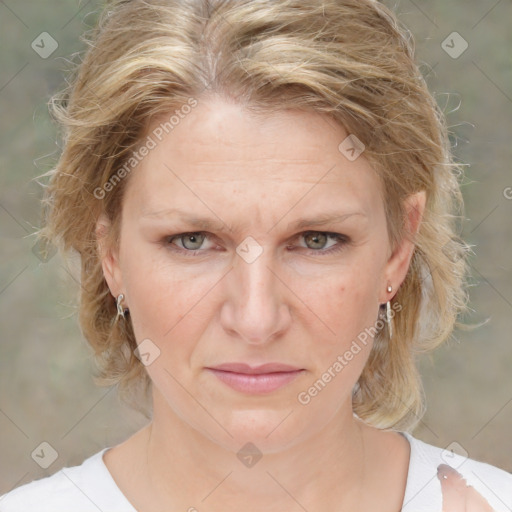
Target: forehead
x: 222, y: 150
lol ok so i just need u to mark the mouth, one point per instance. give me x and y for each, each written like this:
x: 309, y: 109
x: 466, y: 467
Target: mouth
x: 259, y: 380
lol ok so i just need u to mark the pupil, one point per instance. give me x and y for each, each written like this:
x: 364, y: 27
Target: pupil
x: 316, y: 237
x: 193, y: 239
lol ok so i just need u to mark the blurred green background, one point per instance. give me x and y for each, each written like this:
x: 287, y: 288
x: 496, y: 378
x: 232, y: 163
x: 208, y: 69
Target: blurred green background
x: 46, y: 390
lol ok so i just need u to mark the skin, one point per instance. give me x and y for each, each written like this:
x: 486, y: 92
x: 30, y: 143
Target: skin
x: 458, y: 496
x: 257, y: 175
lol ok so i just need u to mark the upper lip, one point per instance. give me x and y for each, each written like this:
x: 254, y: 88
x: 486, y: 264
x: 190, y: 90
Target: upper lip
x: 252, y: 370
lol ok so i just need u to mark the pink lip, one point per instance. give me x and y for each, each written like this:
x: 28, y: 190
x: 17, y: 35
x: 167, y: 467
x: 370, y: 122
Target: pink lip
x: 252, y: 370
x: 255, y: 380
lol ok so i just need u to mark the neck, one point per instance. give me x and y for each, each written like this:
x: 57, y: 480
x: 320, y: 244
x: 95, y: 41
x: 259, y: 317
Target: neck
x: 189, y: 470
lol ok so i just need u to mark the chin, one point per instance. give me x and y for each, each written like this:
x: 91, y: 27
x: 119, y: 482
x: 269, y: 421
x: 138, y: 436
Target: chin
x: 269, y: 430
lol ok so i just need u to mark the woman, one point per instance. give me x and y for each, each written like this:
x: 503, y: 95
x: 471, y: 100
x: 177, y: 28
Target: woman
x: 263, y: 200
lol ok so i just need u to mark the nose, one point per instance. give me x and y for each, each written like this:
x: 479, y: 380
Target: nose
x: 256, y: 309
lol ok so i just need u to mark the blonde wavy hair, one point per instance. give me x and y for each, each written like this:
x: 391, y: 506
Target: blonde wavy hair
x: 349, y: 59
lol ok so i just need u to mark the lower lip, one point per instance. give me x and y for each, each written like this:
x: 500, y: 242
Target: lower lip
x: 255, y: 384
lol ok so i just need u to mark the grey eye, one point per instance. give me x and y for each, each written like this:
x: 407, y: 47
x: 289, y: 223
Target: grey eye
x: 192, y: 241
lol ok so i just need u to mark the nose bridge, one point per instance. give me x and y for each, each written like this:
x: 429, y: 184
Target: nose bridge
x: 256, y: 281
x: 257, y: 309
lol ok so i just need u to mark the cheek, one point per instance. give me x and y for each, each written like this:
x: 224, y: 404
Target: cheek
x: 164, y: 298
x: 347, y: 303
x: 166, y: 308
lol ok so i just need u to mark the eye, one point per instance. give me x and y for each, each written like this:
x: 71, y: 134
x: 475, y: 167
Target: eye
x: 317, y: 240
x: 190, y: 242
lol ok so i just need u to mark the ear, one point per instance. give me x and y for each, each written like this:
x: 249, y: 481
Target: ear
x: 109, y: 256
x: 398, y: 263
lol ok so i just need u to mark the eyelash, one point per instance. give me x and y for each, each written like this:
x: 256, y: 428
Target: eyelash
x: 342, y: 239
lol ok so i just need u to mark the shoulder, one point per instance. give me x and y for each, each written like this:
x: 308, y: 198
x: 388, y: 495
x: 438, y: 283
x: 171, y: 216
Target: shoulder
x: 88, y: 487
x: 423, y: 490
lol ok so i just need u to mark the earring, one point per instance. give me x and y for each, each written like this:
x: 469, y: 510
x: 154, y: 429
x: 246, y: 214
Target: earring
x: 389, y: 318
x: 121, y: 312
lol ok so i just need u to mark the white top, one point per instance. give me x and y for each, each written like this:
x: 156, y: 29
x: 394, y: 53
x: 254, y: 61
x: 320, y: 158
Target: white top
x: 91, y: 488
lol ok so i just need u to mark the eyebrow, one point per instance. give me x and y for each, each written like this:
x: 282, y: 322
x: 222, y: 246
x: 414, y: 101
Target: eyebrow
x: 217, y: 225
x: 323, y: 219
x: 198, y: 222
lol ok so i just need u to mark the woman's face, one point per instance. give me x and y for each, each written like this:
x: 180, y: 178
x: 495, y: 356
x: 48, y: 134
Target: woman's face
x: 265, y: 278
